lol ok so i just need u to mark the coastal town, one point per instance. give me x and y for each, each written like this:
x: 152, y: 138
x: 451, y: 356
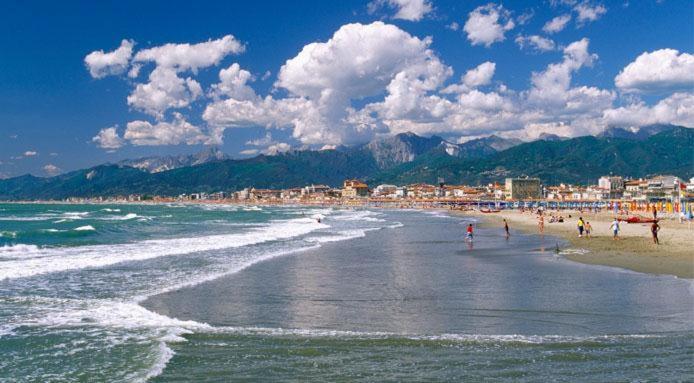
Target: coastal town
x: 665, y: 193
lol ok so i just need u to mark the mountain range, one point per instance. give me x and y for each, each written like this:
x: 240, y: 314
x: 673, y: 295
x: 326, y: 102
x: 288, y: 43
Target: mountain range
x: 400, y: 159
x: 156, y: 164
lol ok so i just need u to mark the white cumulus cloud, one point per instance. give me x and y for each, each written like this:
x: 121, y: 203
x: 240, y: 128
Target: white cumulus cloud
x: 165, y: 90
x: 557, y: 24
x: 481, y: 75
x: 51, y: 169
x: 233, y: 82
x: 676, y: 109
x: 280, y: 147
x: 101, y: 64
x: 108, y: 138
x: 412, y: 10
x: 662, y: 70
x: 323, y: 80
x: 182, y: 57
x: 179, y: 131
x: 487, y: 24
x: 587, y: 12
x: 535, y: 42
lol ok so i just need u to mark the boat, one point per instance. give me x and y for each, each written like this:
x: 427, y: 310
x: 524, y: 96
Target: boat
x: 636, y: 219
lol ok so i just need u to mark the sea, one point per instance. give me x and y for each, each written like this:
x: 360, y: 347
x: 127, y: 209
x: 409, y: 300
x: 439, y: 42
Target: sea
x: 217, y: 293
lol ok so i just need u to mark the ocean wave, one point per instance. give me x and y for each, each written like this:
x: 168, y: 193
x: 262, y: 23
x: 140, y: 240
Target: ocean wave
x: 126, y: 217
x: 50, y: 260
x: 85, y: 228
x: 19, y: 250
x: 111, y: 210
x: 8, y: 234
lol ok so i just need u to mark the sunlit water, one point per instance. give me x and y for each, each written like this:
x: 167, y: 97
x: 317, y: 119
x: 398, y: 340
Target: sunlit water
x: 217, y: 293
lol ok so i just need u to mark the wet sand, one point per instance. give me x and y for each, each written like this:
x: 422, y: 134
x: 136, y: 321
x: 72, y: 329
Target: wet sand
x: 634, y: 251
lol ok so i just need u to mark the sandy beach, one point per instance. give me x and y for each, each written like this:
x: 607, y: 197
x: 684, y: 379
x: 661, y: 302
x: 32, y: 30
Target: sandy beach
x: 634, y: 251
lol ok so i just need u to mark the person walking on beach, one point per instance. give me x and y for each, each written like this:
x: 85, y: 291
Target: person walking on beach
x: 655, y: 213
x: 541, y: 223
x: 469, y: 232
x: 589, y: 229
x: 655, y: 228
x: 581, y: 226
x: 615, y: 229
x: 506, y: 229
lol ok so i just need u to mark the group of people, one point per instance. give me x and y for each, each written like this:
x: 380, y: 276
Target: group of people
x: 614, y: 226
x: 584, y: 229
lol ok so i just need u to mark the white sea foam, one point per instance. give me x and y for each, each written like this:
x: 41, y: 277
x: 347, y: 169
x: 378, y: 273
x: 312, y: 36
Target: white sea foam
x: 461, y: 338
x: 23, y: 219
x: 53, y: 231
x: 75, y: 214
x: 340, y: 236
x: 85, y: 228
x: 49, y: 260
x: 111, y: 210
x: 8, y: 234
x: 214, y: 207
x: 362, y: 215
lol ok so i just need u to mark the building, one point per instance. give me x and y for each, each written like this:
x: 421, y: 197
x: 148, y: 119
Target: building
x: 612, y: 185
x: 314, y: 190
x: 663, y: 187
x: 523, y: 188
x: 385, y: 191
x: 354, y: 188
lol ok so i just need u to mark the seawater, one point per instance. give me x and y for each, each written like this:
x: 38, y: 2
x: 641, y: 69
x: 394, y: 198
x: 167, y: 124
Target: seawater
x: 217, y: 293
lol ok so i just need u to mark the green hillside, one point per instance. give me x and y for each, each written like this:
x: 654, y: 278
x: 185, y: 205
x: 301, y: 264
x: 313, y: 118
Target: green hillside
x: 580, y: 160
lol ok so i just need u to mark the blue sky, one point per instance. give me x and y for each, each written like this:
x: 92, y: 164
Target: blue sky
x: 325, y: 73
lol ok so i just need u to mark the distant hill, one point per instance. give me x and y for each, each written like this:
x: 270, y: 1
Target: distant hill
x: 578, y: 160
x: 402, y: 159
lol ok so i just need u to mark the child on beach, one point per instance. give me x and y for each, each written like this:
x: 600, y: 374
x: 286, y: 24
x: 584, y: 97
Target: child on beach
x: 588, y: 229
x: 615, y: 229
x: 469, y: 232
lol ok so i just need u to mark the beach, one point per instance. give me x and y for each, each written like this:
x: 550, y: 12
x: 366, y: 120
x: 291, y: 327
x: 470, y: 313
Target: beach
x: 213, y: 292
x: 634, y: 251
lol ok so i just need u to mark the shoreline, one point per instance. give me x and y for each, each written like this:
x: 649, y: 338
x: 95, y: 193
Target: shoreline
x: 634, y: 251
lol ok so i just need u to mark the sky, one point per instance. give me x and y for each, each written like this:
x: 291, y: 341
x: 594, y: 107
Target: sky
x: 85, y: 83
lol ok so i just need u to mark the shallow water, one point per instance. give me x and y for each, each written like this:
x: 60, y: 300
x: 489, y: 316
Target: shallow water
x: 217, y: 293
x: 418, y: 303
